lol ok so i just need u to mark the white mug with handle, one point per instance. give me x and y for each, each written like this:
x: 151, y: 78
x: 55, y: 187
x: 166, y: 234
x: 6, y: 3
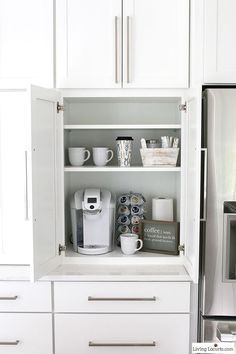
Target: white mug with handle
x: 129, y: 243
x: 101, y: 156
x: 77, y: 156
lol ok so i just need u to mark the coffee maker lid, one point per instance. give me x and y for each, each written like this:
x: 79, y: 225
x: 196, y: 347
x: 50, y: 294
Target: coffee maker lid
x: 124, y: 138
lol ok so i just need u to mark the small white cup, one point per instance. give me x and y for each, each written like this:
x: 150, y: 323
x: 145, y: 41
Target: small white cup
x: 129, y: 243
x: 77, y: 156
x: 100, y: 156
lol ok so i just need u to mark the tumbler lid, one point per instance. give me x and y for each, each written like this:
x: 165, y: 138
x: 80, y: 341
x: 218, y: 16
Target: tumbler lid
x: 124, y: 138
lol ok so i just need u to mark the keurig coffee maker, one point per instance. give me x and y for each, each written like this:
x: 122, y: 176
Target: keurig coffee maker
x: 92, y: 218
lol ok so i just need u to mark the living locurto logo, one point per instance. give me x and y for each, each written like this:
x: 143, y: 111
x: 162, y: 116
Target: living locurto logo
x: 211, y: 348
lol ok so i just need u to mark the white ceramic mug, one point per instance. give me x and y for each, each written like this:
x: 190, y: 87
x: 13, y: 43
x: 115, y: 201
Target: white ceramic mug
x: 129, y: 243
x: 100, y: 156
x: 77, y: 156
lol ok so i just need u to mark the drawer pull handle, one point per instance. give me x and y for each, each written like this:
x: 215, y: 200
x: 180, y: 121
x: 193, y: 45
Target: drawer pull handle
x: 13, y: 342
x: 8, y: 297
x: 122, y: 344
x: 91, y: 298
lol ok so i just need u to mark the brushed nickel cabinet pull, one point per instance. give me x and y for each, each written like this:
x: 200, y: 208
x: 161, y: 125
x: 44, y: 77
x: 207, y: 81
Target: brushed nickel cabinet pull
x: 122, y: 344
x: 26, y: 188
x: 116, y: 51
x: 205, y: 186
x: 128, y: 49
x: 91, y: 298
x: 14, y: 342
x: 8, y: 297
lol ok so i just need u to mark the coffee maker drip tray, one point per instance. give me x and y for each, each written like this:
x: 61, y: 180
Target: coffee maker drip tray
x: 93, y: 249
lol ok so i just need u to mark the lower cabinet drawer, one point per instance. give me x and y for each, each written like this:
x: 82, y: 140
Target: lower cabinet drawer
x: 25, y: 333
x: 23, y: 296
x: 146, y: 297
x: 122, y: 333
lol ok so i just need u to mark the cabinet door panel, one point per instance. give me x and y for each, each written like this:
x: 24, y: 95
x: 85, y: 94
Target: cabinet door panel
x: 88, y: 46
x: 26, y: 36
x: 219, y: 44
x: 191, y: 185
x: 15, y: 227
x: 155, y: 39
x: 46, y: 160
x: 26, y: 333
x: 165, y: 333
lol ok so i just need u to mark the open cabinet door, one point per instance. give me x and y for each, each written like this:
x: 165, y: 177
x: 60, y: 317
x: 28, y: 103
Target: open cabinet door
x: 45, y: 158
x: 192, y: 129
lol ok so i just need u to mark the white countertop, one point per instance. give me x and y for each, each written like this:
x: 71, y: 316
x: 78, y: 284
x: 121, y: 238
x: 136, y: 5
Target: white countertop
x: 73, y: 272
x: 102, y: 272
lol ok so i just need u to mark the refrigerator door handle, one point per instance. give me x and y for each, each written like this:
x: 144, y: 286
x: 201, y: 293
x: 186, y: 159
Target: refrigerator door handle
x: 204, y: 216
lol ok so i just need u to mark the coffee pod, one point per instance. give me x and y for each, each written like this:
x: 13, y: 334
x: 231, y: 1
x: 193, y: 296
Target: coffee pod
x: 123, y: 210
x: 136, y: 229
x: 137, y: 210
x: 124, y: 199
x: 136, y: 219
x: 137, y: 199
x: 122, y: 229
x: 123, y: 220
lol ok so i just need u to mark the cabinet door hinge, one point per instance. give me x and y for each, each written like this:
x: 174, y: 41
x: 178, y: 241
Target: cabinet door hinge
x: 181, y: 248
x: 61, y: 248
x: 60, y: 107
x: 183, y: 107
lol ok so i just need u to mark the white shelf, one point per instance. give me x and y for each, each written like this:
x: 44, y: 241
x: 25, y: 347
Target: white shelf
x: 121, y: 169
x: 120, y: 126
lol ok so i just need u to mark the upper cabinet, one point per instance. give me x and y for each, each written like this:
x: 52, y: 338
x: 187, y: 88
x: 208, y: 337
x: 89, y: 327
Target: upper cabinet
x: 129, y: 43
x: 155, y: 43
x: 26, y: 37
x: 219, y: 41
x: 89, y: 43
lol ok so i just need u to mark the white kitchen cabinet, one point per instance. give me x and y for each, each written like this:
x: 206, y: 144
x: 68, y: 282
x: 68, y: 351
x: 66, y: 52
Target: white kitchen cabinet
x: 120, y: 297
x: 26, y: 333
x: 219, y: 39
x: 155, y: 43
x: 28, y: 208
x: 23, y: 331
x: 88, y: 48
x: 123, y: 333
x: 26, y: 36
x: 151, y: 48
x: 23, y: 296
x: 49, y: 181
x: 14, y: 226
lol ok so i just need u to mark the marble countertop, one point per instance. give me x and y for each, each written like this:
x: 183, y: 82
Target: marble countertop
x: 102, y: 272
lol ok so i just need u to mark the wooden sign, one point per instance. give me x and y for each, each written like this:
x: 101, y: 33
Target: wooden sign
x: 160, y: 236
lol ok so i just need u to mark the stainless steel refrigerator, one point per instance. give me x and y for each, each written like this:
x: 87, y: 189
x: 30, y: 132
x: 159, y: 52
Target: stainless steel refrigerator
x: 217, y: 309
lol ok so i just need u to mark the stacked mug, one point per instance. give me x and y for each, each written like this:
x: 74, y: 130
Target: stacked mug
x: 130, y: 213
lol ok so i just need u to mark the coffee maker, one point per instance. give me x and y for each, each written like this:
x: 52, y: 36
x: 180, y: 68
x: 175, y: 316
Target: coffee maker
x: 92, y: 219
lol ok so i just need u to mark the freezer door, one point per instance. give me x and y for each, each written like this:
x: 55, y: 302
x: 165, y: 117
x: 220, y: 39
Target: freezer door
x: 219, y: 285
x: 219, y: 331
x: 229, y: 242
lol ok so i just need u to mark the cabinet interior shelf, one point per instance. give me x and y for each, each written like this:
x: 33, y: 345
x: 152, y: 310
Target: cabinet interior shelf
x: 120, y: 126
x: 121, y: 169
